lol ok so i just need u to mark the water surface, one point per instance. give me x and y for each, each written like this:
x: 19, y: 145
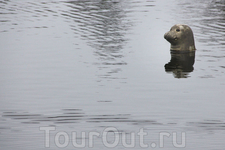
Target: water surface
x: 83, y: 66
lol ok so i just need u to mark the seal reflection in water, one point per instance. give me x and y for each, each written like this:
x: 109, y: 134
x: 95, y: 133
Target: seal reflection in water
x: 182, y: 50
x: 181, y: 64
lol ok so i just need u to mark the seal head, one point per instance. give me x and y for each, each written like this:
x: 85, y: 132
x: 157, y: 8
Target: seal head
x: 181, y: 38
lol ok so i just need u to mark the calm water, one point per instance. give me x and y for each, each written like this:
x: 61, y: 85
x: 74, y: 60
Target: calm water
x: 82, y: 66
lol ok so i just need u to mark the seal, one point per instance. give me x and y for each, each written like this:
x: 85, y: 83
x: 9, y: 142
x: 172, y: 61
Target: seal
x: 181, y: 38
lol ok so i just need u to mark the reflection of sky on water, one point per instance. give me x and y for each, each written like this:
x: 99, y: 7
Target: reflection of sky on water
x: 52, y: 54
x: 104, y: 26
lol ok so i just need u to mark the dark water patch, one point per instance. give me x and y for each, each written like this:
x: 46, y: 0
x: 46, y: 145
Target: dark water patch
x: 145, y: 122
x: 208, y: 124
x: 65, y: 122
x: 15, y: 115
x: 104, y: 101
x: 30, y: 122
x: 73, y: 110
x: 69, y: 116
x: 4, y: 20
x: 121, y: 63
x: 73, y: 113
x: 41, y: 27
x: 207, y: 76
x: 77, y: 112
x: 4, y: 31
x: 122, y: 118
x: 115, y: 70
x: 5, y: 128
x: 72, y: 116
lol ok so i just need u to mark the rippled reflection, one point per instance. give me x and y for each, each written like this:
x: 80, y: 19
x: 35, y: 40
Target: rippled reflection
x: 208, y: 20
x: 72, y: 116
x: 48, y: 73
x: 102, y: 24
x: 208, y: 125
x: 213, y: 24
x: 79, y: 116
x: 181, y: 64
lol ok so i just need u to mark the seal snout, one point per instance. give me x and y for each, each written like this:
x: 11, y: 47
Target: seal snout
x: 166, y: 35
x: 170, y: 38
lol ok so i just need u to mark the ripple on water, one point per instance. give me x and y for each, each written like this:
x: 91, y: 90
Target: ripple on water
x: 105, y: 27
x: 78, y: 116
x: 207, y: 125
x: 207, y: 21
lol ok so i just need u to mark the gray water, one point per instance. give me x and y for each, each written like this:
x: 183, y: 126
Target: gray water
x: 85, y: 66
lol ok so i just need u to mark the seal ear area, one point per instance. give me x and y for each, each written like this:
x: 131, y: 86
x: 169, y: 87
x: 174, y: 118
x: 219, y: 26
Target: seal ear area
x: 187, y: 30
x: 188, y: 34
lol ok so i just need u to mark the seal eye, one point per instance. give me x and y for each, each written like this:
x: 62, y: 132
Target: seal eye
x: 178, y: 30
